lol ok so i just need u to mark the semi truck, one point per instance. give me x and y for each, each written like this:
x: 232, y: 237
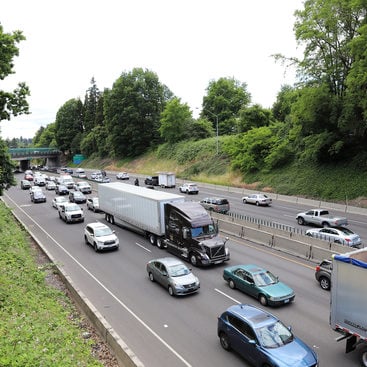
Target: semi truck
x: 348, y: 305
x: 184, y: 229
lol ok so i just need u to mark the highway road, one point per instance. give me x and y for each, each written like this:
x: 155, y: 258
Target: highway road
x: 171, y: 331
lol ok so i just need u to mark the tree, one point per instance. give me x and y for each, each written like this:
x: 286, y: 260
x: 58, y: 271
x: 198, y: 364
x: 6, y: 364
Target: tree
x: 175, y: 120
x: 90, y: 106
x: 328, y: 115
x: 132, y: 112
x: 68, y: 125
x: 45, y: 136
x: 223, y: 102
x: 11, y: 103
x: 254, y: 116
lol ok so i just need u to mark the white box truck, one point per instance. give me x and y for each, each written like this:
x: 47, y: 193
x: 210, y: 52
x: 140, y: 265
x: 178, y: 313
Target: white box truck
x: 167, y: 179
x: 348, y: 305
x: 183, y: 228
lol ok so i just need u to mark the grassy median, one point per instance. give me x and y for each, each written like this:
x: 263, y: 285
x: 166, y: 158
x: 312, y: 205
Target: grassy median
x: 39, y: 325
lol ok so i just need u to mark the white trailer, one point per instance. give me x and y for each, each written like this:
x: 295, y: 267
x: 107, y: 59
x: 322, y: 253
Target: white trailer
x: 166, y: 179
x: 135, y: 207
x: 348, y: 308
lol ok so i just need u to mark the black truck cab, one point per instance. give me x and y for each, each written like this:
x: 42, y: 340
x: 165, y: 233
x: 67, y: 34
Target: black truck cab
x: 192, y: 234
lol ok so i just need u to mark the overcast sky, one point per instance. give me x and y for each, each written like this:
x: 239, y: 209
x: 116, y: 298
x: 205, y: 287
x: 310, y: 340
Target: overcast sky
x: 187, y: 43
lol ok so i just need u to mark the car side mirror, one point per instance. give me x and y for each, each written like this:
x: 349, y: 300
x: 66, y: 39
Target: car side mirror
x: 252, y: 341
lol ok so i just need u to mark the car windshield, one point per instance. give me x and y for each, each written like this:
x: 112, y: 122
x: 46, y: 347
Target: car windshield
x: 61, y: 200
x: 71, y: 208
x: 201, y: 231
x: 265, y: 278
x: 99, y: 232
x: 274, y: 335
x: 178, y: 270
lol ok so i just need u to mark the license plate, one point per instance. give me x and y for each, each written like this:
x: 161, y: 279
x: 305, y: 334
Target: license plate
x: 286, y: 301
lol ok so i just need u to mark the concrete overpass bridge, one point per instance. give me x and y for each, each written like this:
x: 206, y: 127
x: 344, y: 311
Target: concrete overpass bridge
x: 25, y: 155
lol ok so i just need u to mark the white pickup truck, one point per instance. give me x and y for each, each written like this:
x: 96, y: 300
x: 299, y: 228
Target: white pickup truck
x: 321, y: 218
x: 71, y: 213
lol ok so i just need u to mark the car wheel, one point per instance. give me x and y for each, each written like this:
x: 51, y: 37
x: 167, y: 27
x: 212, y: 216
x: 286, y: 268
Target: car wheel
x: 151, y: 277
x: 94, y: 209
x: 325, y: 225
x: 244, y: 201
x: 324, y: 283
x: 231, y: 284
x: 224, y: 342
x: 257, y: 203
x: 193, y: 260
x: 86, y: 240
x: 300, y: 221
x: 95, y: 247
x: 170, y: 291
x: 263, y: 300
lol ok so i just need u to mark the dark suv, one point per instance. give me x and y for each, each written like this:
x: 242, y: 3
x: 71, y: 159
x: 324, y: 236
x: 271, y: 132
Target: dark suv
x: 219, y: 205
x: 151, y: 180
x: 323, y: 274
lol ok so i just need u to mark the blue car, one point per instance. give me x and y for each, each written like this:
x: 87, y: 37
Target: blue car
x: 259, y: 283
x: 262, y: 339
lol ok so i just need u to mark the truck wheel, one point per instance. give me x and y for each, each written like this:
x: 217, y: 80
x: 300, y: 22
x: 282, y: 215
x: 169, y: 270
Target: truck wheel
x: 159, y: 243
x: 326, y: 225
x: 300, y: 221
x: 324, y: 283
x: 263, y: 300
x: 193, y: 260
x: 362, y: 353
x: 152, y: 239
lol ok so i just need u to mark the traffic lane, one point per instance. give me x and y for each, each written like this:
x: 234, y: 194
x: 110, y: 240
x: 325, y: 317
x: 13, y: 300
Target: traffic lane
x: 200, y: 277
x: 309, y: 314
x: 85, y: 279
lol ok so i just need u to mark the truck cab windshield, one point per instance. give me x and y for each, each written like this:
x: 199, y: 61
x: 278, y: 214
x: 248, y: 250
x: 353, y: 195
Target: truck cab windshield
x: 207, y: 230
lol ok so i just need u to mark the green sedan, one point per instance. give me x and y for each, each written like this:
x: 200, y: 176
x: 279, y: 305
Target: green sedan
x: 259, y: 283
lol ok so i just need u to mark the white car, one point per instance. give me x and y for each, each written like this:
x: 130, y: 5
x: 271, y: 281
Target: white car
x: 100, y: 237
x: 122, y: 176
x: 50, y: 185
x: 58, y: 200
x: 71, y: 213
x: 257, y: 199
x: 341, y: 235
x: 33, y: 189
x: 189, y: 188
x: 93, y: 204
x: 83, y: 187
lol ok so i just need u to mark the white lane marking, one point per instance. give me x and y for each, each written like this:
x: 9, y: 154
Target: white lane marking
x: 226, y: 295
x: 132, y: 313
x: 143, y: 247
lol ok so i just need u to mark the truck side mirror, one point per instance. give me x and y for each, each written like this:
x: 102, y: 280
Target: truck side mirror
x: 185, y: 233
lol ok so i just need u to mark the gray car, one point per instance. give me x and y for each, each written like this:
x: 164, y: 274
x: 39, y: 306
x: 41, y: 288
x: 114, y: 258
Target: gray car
x: 219, y: 205
x: 173, y: 275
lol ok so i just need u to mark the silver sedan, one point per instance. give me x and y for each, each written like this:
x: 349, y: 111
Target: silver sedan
x: 173, y: 275
x: 257, y: 199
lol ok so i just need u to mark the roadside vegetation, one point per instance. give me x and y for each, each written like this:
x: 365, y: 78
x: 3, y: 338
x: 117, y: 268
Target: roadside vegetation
x: 198, y: 161
x: 39, y: 324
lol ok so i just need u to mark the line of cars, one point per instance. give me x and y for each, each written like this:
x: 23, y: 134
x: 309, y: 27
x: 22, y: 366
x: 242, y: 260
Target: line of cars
x: 178, y: 279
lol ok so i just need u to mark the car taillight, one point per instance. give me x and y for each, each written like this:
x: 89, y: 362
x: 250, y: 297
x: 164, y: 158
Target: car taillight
x: 347, y: 239
x: 317, y: 268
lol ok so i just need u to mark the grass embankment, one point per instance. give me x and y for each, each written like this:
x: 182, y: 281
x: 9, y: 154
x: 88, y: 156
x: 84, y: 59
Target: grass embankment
x: 344, y: 183
x: 39, y: 325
